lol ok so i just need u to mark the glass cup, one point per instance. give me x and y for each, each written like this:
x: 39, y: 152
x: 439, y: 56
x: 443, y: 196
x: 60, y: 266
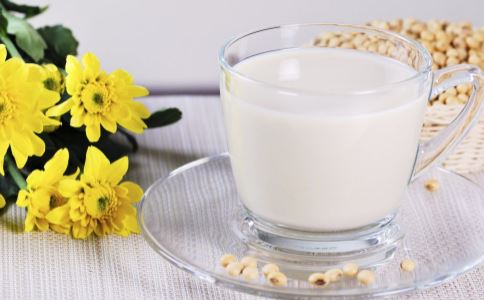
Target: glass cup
x: 319, y: 167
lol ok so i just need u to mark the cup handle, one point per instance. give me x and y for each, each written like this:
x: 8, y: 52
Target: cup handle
x: 437, y: 149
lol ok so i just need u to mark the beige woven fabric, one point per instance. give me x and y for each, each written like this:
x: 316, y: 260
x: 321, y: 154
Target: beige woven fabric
x: 52, y: 266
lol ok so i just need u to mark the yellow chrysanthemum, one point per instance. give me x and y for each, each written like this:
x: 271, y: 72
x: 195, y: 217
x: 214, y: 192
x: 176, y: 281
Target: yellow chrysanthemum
x: 98, y: 98
x: 2, y: 201
x: 52, y: 78
x: 98, y: 202
x: 42, y: 195
x: 22, y: 100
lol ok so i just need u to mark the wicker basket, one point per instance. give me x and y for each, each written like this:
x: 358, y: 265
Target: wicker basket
x: 469, y: 155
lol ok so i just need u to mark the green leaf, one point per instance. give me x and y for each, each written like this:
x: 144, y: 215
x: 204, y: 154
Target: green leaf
x: 26, y: 37
x: 5, y: 39
x: 3, y: 23
x: 28, y: 10
x: 163, y: 117
x: 11, y: 49
x: 8, y: 188
x: 60, y: 43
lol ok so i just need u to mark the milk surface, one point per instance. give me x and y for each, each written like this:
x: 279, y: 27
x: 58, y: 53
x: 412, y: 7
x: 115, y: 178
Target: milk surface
x: 323, y: 153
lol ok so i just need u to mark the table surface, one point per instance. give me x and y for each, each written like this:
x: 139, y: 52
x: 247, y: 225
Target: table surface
x: 53, y: 266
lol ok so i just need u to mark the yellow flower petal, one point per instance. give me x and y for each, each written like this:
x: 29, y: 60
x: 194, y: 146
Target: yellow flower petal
x: 80, y: 232
x: 48, y: 98
x: 35, y: 72
x: 76, y: 215
x: 84, y: 222
x: 139, y: 109
x: 35, y: 123
x: 59, y: 215
x: 41, y: 201
x: 20, y: 141
x: 126, y: 209
x: 99, y: 230
x: 108, y: 124
x: 58, y: 163
x: 123, y: 76
x: 29, y: 222
x: 96, y: 163
x: 93, y: 132
x: 14, y: 69
x: 49, y: 122
x: 20, y: 157
x: 60, y: 228
x: 77, y: 120
x: 55, y: 167
x: 73, y: 84
x: 38, y: 145
x: 92, y: 65
x: 3, y: 53
x: 22, y: 198
x: 117, y: 170
x: 117, y: 220
x: 2, y: 199
x: 92, y: 119
x: 34, y: 180
x: 131, y: 223
x: 133, y: 124
x: 121, y: 192
x: 69, y: 187
x: 73, y: 66
x: 135, y: 192
x: 60, y: 109
x: 42, y: 224
x: 138, y: 91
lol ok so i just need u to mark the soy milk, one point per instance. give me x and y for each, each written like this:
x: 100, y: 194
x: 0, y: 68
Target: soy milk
x: 324, y: 153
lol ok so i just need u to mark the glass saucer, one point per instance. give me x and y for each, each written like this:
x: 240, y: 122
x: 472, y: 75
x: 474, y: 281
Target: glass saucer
x: 193, y: 216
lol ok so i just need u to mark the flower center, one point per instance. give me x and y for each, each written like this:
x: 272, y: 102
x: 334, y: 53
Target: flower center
x: 95, y: 98
x: 6, y: 109
x: 51, y: 84
x: 102, y: 203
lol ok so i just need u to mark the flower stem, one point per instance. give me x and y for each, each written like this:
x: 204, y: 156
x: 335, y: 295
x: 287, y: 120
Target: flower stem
x: 15, y: 173
x: 10, y: 45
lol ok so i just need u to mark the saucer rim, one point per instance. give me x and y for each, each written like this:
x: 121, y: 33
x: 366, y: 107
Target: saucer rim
x: 266, y: 290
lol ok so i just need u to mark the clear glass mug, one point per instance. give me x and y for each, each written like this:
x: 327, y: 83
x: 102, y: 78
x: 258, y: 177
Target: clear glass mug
x: 299, y: 172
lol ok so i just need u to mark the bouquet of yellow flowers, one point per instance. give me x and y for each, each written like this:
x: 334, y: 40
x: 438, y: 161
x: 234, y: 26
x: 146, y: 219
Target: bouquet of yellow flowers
x: 66, y: 130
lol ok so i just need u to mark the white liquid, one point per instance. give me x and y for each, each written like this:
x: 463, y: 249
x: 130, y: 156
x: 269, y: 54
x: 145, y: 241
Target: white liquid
x: 323, y: 161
